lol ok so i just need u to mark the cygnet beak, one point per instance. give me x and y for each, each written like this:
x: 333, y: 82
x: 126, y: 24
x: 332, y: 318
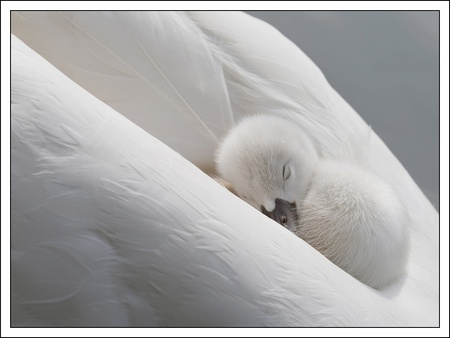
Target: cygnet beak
x: 284, y: 213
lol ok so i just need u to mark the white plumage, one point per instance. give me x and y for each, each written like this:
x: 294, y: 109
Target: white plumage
x: 111, y: 227
x: 356, y: 221
x: 340, y: 208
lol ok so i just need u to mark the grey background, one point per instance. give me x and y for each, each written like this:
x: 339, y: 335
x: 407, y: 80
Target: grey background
x: 385, y: 64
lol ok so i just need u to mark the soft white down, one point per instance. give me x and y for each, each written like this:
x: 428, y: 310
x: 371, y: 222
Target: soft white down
x: 348, y: 214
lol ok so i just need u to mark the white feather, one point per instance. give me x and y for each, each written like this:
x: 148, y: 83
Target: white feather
x: 123, y: 59
x: 112, y: 227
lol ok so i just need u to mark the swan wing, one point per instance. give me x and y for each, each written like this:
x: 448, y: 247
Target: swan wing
x: 175, y: 91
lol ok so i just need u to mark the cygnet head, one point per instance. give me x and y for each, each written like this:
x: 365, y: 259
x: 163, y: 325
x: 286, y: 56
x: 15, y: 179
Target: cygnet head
x: 269, y: 162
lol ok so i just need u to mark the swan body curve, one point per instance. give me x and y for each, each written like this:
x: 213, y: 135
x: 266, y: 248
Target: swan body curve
x: 105, y: 229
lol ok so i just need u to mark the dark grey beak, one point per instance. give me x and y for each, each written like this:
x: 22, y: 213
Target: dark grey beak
x: 284, y: 213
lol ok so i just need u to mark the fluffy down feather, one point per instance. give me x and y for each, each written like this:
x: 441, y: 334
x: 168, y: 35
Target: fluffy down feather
x: 344, y: 211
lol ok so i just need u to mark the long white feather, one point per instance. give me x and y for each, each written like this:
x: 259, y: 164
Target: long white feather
x: 174, y: 91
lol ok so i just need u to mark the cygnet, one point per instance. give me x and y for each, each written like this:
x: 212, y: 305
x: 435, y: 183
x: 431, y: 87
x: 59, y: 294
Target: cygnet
x: 344, y: 211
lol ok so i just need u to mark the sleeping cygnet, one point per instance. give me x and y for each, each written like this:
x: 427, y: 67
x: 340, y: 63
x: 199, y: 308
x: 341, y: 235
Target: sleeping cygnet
x: 347, y: 213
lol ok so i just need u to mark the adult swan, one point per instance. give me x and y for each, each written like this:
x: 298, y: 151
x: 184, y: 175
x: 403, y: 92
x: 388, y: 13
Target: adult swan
x: 113, y: 222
